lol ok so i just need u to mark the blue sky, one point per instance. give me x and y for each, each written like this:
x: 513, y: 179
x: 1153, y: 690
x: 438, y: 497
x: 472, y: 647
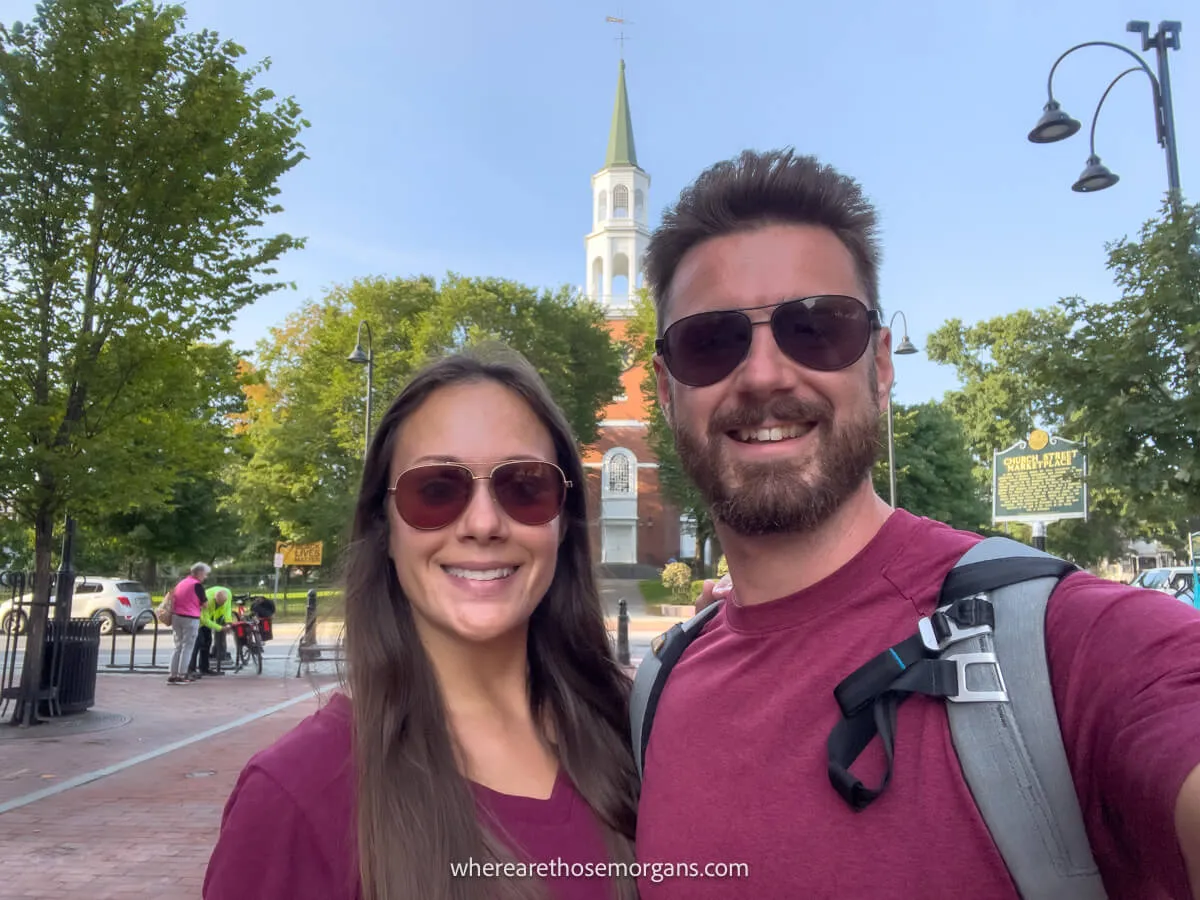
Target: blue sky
x: 461, y: 136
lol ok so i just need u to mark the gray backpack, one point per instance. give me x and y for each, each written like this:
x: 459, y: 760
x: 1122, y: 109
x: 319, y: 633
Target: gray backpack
x: 991, y: 612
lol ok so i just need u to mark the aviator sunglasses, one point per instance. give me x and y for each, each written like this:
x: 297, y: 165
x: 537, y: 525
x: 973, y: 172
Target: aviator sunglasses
x: 826, y: 333
x: 429, y: 497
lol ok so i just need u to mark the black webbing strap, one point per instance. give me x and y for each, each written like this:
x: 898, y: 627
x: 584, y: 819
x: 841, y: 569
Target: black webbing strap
x: 667, y: 650
x: 673, y: 645
x: 990, y: 574
x: 870, y: 696
x: 850, y: 737
x: 862, y: 687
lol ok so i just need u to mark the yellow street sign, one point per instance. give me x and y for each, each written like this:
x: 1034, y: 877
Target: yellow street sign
x: 300, y: 554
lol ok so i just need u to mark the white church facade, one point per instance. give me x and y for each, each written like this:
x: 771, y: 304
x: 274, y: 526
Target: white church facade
x: 633, y: 526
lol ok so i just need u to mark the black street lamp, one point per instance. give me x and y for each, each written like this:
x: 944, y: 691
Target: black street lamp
x: 905, y: 348
x: 368, y: 359
x: 1056, y: 125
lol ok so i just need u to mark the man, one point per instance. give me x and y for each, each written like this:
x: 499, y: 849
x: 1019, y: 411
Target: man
x: 216, y: 612
x: 778, y: 426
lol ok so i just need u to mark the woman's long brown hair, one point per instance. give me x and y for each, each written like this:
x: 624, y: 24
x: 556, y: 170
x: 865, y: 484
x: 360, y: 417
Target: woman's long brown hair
x: 416, y: 811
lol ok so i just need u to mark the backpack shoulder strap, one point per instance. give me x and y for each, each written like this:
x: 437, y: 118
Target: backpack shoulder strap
x: 665, y: 651
x: 1012, y: 753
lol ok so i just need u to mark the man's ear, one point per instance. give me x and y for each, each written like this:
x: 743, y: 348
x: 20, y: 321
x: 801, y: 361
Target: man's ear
x: 882, y: 370
x: 662, y: 381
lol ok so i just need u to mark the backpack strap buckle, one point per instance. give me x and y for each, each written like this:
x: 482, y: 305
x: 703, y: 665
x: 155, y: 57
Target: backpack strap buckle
x: 943, y: 628
x: 965, y: 694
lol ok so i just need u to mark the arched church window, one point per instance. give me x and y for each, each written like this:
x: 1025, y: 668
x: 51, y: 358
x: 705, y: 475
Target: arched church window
x: 619, y: 479
x: 602, y: 206
x: 620, y: 202
x: 639, y: 205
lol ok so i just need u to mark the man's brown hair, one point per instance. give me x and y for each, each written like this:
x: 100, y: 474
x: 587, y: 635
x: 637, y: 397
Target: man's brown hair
x: 757, y: 189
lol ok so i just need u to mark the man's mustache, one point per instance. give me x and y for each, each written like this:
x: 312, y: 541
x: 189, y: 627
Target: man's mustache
x: 778, y: 409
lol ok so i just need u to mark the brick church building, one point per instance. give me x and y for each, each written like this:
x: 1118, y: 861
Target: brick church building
x: 632, y: 526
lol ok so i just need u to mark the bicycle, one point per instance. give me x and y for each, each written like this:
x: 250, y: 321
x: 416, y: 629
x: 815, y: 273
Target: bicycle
x: 251, y: 630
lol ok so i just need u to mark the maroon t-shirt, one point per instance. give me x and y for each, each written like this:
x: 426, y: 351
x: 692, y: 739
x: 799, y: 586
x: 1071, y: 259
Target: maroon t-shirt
x: 288, y: 831
x: 736, y: 764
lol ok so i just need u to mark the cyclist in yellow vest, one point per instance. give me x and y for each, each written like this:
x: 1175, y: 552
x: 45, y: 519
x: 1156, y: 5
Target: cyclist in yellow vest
x: 215, y: 615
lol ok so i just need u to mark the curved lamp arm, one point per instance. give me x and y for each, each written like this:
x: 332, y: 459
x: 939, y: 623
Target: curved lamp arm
x: 370, y: 344
x: 1158, y: 123
x: 1103, y: 97
x: 892, y: 321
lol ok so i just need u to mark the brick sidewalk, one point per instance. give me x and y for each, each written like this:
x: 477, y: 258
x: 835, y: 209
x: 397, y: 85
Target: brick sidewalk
x: 137, y: 714
x: 145, y: 831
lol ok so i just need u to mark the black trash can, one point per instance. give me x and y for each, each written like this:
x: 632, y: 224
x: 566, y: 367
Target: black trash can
x: 71, y: 659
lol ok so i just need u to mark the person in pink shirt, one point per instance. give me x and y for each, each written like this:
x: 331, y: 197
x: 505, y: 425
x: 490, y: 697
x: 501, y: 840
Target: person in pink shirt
x: 779, y: 427
x: 481, y: 749
x: 185, y: 621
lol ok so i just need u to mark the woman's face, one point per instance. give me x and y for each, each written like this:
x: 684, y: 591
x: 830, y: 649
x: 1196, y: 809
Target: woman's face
x: 480, y: 577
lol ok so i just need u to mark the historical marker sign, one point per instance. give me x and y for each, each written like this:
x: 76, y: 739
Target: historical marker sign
x: 1041, y: 479
x: 299, y: 554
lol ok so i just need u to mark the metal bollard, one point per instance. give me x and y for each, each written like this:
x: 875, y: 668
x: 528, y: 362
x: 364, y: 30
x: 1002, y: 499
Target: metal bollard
x: 310, y: 618
x: 622, y: 632
x: 308, y: 649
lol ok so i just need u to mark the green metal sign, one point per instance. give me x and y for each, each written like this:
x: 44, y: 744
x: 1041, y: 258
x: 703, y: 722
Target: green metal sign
x: 1041, y: 479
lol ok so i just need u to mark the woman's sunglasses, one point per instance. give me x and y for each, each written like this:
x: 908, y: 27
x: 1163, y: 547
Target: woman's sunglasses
x: 429, y: 497
x: 826, y: 333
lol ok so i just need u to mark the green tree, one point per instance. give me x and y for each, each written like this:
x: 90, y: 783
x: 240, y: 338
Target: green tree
x: 935, y: 470
x: 1007, y: 370
x: 1120, y: 376
x: 138, y: 167
x: 1003, y: 367
x: 305, y: 407
x: 1129, y: 374
x: 673, y: 481
x: 193, y: 522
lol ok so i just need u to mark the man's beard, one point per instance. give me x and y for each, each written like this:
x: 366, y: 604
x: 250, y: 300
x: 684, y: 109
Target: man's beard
x: 780, y: 497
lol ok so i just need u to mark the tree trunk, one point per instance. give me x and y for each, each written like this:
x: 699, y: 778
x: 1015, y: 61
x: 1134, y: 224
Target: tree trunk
x: 39, y: 615
x: 150, y: 574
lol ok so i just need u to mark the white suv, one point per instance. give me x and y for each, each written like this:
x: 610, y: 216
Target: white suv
x: 114, y: 601
x: 1178, y: 581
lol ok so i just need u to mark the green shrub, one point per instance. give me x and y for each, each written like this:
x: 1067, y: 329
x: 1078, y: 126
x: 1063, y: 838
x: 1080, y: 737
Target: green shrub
x: 677, y: 578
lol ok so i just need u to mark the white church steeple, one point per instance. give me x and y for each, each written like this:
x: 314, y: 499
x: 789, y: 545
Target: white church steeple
x: 620, y: 198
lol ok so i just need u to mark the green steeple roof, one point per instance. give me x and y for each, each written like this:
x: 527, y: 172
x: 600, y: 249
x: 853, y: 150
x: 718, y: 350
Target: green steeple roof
x: 620, y: 138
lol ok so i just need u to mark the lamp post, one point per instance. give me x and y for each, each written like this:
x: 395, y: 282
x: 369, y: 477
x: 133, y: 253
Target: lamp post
x: 905, y: 348
x: 368, y: 359
x: 1056, y: 125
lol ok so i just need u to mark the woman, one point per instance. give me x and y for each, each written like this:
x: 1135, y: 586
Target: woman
x: 487, y: 720
x: 185, y: 622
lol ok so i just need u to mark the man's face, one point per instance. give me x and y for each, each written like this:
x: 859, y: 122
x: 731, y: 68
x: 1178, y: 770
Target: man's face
x: 824, y: 426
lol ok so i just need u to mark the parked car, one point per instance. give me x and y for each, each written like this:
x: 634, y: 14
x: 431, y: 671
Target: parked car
x: 1178, y: 581
x: 114, y: 601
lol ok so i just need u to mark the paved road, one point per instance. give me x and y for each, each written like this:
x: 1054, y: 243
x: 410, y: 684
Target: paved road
x: 279, y: 660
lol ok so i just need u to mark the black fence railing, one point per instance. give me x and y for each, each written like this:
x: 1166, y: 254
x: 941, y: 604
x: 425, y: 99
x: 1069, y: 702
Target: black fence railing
x: 61, y: 678
x: 14, y: 623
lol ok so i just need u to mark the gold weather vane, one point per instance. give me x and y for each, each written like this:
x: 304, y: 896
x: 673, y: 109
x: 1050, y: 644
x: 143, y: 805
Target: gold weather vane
x: 621, y: 37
